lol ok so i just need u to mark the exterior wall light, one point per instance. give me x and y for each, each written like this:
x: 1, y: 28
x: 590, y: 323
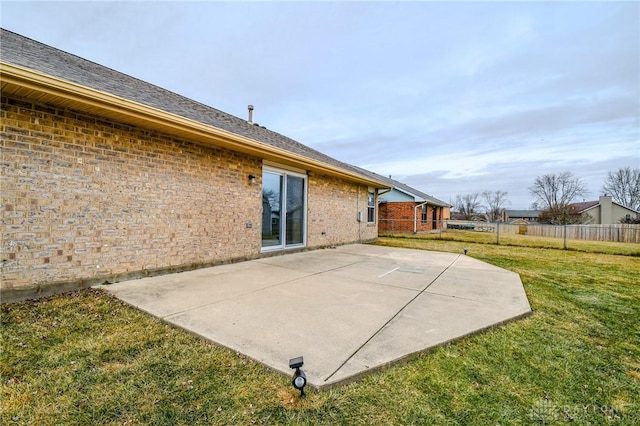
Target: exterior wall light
x: 252, y: 179
x: 299, y: 380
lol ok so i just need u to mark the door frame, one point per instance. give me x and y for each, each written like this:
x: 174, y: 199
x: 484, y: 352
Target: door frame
x: 283, y: 214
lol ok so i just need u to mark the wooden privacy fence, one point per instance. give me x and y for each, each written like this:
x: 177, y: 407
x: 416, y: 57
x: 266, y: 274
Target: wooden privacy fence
x: 618, y: 232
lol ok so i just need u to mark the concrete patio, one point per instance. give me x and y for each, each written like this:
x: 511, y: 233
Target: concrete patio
x: 348, y: 311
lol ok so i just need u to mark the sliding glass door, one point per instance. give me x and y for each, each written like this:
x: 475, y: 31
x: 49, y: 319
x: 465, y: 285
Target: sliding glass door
x: 271, y: 201
x: 283, y: 209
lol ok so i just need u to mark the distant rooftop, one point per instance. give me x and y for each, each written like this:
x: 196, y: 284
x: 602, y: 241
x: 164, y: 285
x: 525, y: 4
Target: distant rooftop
x: 585, y: 205
x: 523, y: 213
x: 418, y: 195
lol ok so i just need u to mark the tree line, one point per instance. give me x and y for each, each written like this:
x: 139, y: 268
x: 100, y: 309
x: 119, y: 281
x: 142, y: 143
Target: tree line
x: 555, y: 196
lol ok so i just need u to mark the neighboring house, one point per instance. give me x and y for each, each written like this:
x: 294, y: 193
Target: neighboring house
x: 520, y: 217
x: 405, y: 209
x: 106, y: 177
x: 605, y: 211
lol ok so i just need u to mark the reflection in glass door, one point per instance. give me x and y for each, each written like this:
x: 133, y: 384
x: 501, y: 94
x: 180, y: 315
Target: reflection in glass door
x: 271, y: 196
x: 283, y: 210
x: 295, y: 211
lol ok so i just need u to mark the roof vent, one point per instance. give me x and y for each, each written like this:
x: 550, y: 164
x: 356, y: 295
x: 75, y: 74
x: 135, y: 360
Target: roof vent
x: 250, y: 107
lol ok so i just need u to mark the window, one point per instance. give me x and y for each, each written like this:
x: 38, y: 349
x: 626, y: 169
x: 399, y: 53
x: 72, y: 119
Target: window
x: 423, y: 217
x: 371, y: 206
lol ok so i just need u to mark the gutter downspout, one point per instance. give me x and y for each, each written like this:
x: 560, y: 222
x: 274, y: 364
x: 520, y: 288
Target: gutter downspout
x: 415, y: 217
x: 358, y: 215
x: 378, y: 201
x: 384, y: 192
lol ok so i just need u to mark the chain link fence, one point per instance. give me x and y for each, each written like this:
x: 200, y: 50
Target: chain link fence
x: 619, y: 232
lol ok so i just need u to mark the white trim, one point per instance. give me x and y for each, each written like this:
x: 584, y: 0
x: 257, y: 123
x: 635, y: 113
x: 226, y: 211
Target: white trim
x: 305, y: 179
x: 416, y: 198
x: 279, y: 170
x: 374, y: 206
x: 271, y: 165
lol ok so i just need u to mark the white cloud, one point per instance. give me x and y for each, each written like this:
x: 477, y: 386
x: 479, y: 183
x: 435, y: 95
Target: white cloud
x: 451, y: 96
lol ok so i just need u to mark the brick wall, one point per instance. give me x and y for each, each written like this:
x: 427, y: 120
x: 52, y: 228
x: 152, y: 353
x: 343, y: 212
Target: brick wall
x: 399, y: 217
x: 333, y: 212
x: 85, y: 200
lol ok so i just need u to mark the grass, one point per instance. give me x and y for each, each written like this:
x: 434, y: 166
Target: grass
x: 87, y: 358
x: 516, y: 240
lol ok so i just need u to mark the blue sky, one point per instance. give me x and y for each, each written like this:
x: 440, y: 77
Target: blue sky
x: 448, y: 97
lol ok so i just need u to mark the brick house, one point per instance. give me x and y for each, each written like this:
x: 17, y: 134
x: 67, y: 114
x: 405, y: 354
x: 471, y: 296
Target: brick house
x: 106, y: 177
x: 405, y: 209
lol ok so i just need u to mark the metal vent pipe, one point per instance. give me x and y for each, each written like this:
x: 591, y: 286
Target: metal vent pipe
x: 250, y: 107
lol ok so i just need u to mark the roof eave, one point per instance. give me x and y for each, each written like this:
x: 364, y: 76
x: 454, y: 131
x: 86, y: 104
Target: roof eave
x: 86, y: 99
x: 419, y: 199
x: 416, y: 197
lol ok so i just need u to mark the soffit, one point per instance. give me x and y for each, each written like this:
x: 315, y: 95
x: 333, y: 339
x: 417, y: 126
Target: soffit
x: 45, y: 89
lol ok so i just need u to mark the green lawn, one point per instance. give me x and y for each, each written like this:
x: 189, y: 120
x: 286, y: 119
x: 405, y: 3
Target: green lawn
x: 516, y: 240
x: 87, y: 358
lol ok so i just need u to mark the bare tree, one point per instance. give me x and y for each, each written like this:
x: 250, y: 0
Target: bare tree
x: 272, y: 198
x: 624, y: 187
x: 557, y: 191
x: 495, y: 201
x: 563, y: 215
x: 468, y: 205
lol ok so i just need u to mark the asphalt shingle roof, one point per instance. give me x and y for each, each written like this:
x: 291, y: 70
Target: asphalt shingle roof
x: 523, y: 213
x: 21, y: 51
x: 405, y: 188
x: 585, y: 205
